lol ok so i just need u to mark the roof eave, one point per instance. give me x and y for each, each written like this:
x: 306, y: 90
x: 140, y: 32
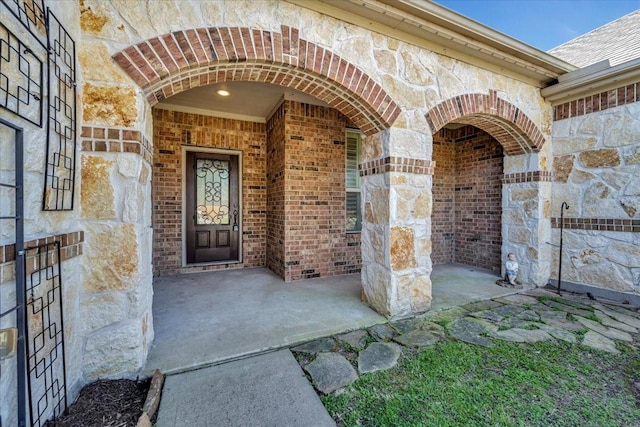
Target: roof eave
x: 446, y: 32
x: 580, y: 84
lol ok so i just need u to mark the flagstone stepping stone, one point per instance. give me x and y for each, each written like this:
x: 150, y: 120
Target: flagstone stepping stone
x: 356, y: 339
x: 432, y: 327
x: 575, y: 302
x: 627, y: 309
x: 378, y: 356
x: 614, y: 334
x: 522, y: 335
x: 481, y: 305
x: 595, y: 340
x: 499, y: 313
x: 383, y: 332
x: 514, y: 322
x: 445, y: 316
x: 404, y: 326
x: 317, y: 346
x: 559, y: 319
x: 518, y: 299
x: 629, y: 319
x: 568, y: 325
x: 567, y: 308
x: 529, y: 315
x: 330, y: 372
x: 608, y: 321
x: 558, y: 333
x: 469, y: 329
x: 547, y: 315
x: 417, y: 338
x: 539, y: 292
x: 507, y: 335
x: 533, y: 335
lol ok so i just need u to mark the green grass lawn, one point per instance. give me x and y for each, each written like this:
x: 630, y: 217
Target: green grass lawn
x: 457, y: 384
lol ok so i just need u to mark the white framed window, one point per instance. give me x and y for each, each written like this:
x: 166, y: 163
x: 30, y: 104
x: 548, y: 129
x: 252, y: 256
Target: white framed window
x: 352, y: 181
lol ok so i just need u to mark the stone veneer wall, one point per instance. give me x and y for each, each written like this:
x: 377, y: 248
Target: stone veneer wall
x: 172, y: 131
x: 467, y: 193
x: 115, y: 174
x: 276, y: 192
x: 596, y: 149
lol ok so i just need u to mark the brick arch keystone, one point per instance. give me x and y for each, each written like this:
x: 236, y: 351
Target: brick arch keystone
x: 172, y: 63
x: 505, y: 122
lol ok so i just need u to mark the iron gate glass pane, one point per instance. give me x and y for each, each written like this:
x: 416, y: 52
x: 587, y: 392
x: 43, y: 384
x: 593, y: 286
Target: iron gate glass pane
x: 212, y: 192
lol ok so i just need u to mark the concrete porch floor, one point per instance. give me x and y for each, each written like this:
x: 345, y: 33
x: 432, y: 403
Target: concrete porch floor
x: 203, y: 319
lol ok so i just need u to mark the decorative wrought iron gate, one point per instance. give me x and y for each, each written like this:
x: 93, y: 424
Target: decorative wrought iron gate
x: 45, y: 333
x: 37, y: 88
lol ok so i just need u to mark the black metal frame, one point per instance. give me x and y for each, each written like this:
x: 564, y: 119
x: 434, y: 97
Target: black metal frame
x: 19, y: 308
x: 31, y: 15
x: 18, y: 94
x: 59, y: 186
x: 41, y: 367
x: 46, y: 366
x: 18, y: 97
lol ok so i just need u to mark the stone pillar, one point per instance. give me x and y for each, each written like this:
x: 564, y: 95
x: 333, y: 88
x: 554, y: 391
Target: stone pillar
x: 115, y: 204
x: 396, y: 231
x: 526, y: 219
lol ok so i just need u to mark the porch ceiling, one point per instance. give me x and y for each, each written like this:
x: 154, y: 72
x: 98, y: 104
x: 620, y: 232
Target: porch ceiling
x: 248, y: 101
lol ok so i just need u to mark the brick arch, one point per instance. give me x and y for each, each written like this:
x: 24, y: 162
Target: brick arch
x: 182, y: 60
x: 505, y: 122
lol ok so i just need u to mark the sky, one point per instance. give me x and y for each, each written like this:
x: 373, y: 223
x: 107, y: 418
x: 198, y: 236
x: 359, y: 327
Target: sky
x: 543, y: 24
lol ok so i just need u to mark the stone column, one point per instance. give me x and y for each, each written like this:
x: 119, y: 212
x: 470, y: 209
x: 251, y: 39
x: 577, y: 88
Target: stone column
x: 115, y: 203
x: 526, y: 219
x: 396, y: 232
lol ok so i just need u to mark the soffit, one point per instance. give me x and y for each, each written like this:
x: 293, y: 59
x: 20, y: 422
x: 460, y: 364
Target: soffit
x: 434, y: 27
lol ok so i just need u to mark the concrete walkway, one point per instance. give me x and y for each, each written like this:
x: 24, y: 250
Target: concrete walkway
x: 207, y: 318
x: 266, y: 390
x: 215, y: 334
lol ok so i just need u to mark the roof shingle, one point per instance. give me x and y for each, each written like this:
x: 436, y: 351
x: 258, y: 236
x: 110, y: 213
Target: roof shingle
x: 618, y: 41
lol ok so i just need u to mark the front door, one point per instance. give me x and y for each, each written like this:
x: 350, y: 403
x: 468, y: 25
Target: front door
x: 212, y: 207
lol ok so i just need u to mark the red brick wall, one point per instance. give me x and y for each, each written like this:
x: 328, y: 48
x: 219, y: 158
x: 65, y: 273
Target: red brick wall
x: 472, y: 163
x: 293, y: 190
x: 443, y: 214
x: 276, y: 192
x: 171, y: 131
x: 316, y: 241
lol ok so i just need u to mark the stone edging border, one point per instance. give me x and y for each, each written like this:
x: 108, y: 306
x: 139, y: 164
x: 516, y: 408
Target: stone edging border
x: 152, y: 402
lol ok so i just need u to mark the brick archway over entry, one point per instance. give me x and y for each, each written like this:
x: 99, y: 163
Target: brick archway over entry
x: 182, y: 60
x: 502, y: 120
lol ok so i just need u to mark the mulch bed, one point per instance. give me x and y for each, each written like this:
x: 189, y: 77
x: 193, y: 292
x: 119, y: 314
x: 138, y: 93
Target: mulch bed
x: 106, y: 403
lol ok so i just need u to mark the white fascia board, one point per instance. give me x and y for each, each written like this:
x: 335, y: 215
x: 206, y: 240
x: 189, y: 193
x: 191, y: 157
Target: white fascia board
x: 600, y: 80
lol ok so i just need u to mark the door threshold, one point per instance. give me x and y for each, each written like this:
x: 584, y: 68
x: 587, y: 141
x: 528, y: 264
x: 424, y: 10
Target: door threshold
x: 204, y: 264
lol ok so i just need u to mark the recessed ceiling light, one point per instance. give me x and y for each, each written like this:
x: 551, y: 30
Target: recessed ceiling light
x: 223, y: 92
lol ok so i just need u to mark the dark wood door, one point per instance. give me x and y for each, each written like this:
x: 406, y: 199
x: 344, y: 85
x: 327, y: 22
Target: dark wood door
x: 212, y: 209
